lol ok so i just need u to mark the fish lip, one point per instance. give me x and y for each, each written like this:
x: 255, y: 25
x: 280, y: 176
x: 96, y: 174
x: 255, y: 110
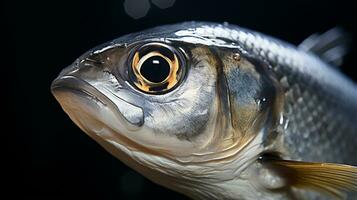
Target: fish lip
x: 76, y: 85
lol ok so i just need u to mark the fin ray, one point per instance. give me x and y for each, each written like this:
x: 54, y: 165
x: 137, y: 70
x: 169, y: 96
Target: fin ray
x: 330, y: 46
x: 332, y: 179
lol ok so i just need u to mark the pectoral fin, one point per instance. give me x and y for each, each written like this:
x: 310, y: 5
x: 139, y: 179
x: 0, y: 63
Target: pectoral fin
x: 332, y: 179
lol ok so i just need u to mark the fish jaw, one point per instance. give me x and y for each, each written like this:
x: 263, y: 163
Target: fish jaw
x: 87, y: 107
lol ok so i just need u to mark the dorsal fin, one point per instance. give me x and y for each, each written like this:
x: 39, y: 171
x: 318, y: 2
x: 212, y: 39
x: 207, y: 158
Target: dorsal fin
x: 330, y: 46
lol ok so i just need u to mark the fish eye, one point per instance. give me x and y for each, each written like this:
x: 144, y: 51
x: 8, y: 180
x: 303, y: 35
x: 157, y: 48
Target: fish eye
x: 156, y: 68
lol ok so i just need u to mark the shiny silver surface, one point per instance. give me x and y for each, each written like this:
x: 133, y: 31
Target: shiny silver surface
x: 203, y: 138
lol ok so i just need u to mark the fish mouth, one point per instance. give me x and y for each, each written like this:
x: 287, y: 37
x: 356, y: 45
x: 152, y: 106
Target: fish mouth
x: 81, y: 101
x: 91, y: 111
x: 74, y: 93
x: 77, y: 86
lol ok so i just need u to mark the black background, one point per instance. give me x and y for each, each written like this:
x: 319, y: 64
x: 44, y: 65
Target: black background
x: 46, y: 154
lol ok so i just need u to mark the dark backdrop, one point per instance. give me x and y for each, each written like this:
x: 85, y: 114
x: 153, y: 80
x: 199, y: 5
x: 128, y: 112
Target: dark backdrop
x: 46, y: 154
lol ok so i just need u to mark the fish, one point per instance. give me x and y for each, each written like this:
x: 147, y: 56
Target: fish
x: 217, y: 111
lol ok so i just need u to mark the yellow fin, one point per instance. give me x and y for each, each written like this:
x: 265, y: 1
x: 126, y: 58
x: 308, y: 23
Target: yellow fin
x: 330, y: 178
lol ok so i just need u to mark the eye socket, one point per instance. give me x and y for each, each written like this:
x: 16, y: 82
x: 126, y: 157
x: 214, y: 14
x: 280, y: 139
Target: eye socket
x: 156, y: 68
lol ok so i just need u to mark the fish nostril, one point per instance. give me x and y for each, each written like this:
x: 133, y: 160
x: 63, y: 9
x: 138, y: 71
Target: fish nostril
x: 70, y: 69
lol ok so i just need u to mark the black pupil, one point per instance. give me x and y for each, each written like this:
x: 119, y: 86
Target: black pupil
x: 155, y: 69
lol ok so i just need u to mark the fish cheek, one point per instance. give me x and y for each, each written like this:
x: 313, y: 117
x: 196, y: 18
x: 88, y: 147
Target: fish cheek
x: 187, y: 113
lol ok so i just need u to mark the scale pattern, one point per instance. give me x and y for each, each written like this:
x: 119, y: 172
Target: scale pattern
x: 320, y: 103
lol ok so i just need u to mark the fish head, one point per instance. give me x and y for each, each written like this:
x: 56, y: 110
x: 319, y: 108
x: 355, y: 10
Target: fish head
x: 165, y: 106
x: 178, y: 106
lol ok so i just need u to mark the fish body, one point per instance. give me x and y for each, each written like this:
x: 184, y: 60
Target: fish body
x: 216, y: 111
